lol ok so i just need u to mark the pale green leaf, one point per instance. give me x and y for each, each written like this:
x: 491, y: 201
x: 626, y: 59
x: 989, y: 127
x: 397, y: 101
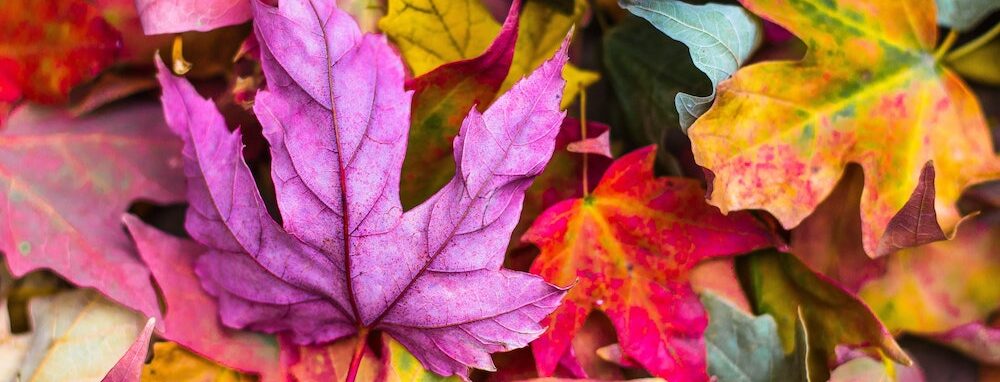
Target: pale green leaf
x: 743, y: 348
x: 719, y: 37
x: 963, y: 15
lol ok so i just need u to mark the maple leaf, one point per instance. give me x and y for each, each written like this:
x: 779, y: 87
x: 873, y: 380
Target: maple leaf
x: 171, y: 362
x: 64, y: 184
x: 441, y: 99
x: 347, y: 259
x: 648, y: 70
x: 171, y: 261
x: 720, y: 38
x: 869, y: 91
x: 129, y: 366
x: 629, y: 246
x: 77, y: 335
x: 742, y: 347
x: 77, y: 43
x: 790, y: 292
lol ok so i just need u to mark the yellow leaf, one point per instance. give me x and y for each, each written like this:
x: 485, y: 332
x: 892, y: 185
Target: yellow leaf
x: 171, y: 363
x: 431, y: 33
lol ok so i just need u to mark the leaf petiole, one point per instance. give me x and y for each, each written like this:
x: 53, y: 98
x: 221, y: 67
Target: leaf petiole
x: 949, y: 40
x: 971, y: 46
x: 583, y: 135
x: 359, y: 352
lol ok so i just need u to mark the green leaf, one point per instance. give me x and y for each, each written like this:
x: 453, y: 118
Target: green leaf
x: 647, y: 70
x: 745, y: 348
x: 780, y: 285
x: 719, y: 37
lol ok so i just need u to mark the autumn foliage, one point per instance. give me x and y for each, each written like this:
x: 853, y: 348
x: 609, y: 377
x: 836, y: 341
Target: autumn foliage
x: 497, y: 190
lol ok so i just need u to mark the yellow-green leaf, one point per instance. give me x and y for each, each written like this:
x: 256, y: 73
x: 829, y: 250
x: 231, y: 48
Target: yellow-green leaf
x: 869, y: 91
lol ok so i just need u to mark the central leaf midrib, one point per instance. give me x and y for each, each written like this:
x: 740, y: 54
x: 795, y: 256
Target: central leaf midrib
x: 342, y: 173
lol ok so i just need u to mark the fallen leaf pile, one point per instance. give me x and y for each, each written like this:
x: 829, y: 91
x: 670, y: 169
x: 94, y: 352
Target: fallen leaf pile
x: 499, y: 190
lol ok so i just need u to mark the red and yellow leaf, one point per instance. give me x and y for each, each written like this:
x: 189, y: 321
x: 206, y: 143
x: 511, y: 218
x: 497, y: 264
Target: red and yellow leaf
x: 628, y: 247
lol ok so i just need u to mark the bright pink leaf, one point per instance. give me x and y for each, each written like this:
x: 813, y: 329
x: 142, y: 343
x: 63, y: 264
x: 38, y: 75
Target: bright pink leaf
x: 600, y: 145
x: 190, y: 318
x: 336, y: 117
x: 175, y: 16
x: 64, y: 184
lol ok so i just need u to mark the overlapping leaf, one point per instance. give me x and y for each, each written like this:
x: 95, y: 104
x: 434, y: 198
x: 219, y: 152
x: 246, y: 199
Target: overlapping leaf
x: 648, y: 70
x: 627, y: 247
x: 869, y: 91
x: 930, y: 290
x: 66, y: 183
x: 174, y: 16
x: 720, y: 38
x: 172, y: 363
x: 336, y: 146
x: 964, y: 14
x: 129, y: 366
x: 77, y: 335
x: 938, y: 287
x: 431, y: 33
x: 441, y: 99
x: 46, y: 47
x: 784, y: 288
x: 331, y: 362
x: 190, y: 315
x: 744, y: 348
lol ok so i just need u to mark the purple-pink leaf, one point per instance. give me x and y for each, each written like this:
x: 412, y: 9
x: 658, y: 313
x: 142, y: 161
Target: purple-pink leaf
x: 175, y: 16
x: 129, y: 366
x: 336, y: 117
x: 64, y: 184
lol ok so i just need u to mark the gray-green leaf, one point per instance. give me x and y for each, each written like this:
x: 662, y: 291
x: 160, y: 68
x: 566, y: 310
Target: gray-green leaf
x: 720, y: 39
x: 743, y: 348
x: 647, y: 69
x: 963, y: 15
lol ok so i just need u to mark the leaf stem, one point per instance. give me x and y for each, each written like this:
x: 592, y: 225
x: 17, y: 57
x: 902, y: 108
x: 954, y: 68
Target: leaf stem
x: 971, y: 46
x: 945, y: 45
x: 583, y: 135
x: 359, y: 352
